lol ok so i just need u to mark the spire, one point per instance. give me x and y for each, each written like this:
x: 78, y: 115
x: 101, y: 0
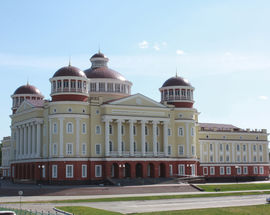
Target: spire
x: 99, y: 48
x: 176, y: 75
x: 69, y: 62
x: 27, y: 83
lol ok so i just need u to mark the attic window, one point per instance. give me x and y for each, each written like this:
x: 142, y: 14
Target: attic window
x: 54, y: 110
x: 83, y: 110
x: 180, y: 115
x: 69, y: 110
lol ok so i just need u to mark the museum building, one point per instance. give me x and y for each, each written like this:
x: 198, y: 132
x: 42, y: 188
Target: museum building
x: 93, y: 129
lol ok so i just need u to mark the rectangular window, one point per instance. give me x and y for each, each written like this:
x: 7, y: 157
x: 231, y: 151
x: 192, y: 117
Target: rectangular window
x: 69, y: 148
x: 192, y: 131
x: 54, y: 171
x: 192, y: 150
x: 135, y: 148
x: 220, y: 147
x: 260, y: 148
x: 84, y: 128
x: 245, y: 170
x: 98, y: 149
x: 171, y: 169
x: 227, y: 158
x: 254, y: 148
x: 110, y: 129
x: 221, y: 170
x: 212, y: 170
x: 69, y: 171
x: 255, y: 170
x: 261, y: 158
x: 169, y: 132
x: 110, y: 87
x: 244, y: 148
x: 54, y: 149
x: 180, y: 150
x: 181, y: 170
x: 238, y: 158
x: 221, y: 158
x: 122, y: 130
x: 101, y: 87
x: 237, y: 147
x: 180, y: 131
x: 169, y: 149
x: 227, y: 147
x: 84, y: 171
x: 134, y: 130
x: 98, y: 170
x: 261, y: 170
x: 93, y: 87
x: 205, y: 171
x: 54, y: 128
x: 211, y: 158
x: 239, y: 170
x: 211, y: 147
x: 146, y: 130
x: 146, y: 147
x: 228, y: 170
x: 157, y: 131
x: 123, y: 146
x: 245, y: 158
x: 84, y: 149
x: 255, y: 158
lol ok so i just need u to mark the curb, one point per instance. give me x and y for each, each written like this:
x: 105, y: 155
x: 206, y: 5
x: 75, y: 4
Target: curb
x: 63, y: 212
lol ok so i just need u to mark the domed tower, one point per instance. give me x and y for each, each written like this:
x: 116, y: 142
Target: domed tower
x: 177, y: 91
x: 25, y: 92
x: 104, y: 81
x: 69, y: 83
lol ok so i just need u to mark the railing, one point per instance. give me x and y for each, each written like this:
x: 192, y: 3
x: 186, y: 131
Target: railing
x: 19, y: 211
x: 79, y: 90
x: 137, y: 154
x: 166, y: 98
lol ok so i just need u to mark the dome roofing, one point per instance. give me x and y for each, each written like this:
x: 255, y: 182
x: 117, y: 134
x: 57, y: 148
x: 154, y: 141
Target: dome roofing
x: 176, y: 81
x: 103, y: 72
x: 69, y: 71
x: 27, y: 89
x: 99, y: 54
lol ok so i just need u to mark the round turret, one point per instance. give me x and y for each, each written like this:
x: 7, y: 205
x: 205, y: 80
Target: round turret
x: 25, y: 92
x: 178, y: 92
x: 105, y: 82
x: 69, y: 83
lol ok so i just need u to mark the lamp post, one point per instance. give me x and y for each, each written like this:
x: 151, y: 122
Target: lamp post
x: 41, y: 167
x: 236, y: 172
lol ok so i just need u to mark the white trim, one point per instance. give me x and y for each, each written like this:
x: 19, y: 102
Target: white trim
x: 235, y: 164
x: 72, y: 171
x: 84, y: 166
x: 68, y: 115
x: 233, y: 132
x: 98, y: 175
x: 54, y: 171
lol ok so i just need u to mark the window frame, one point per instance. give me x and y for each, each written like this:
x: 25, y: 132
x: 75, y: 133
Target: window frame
x: 67, y: 171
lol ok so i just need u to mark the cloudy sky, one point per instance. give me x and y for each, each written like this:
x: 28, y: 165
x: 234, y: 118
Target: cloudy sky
x: 221, y: 47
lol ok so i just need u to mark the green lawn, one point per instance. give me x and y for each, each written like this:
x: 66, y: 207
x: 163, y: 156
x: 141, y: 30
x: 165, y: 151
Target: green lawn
x: 235, y: 187
x: 245, y: 210
x: 81, y: 210
x: 149, y: 197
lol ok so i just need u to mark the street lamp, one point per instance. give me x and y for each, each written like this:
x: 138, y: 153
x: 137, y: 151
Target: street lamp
x: 41, y: 167
x: 236, y: 167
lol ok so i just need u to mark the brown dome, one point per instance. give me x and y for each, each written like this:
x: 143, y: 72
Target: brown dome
x: 69, y: 71
x: 98, y: 55
x: 27, y: 89
x: 176, y: 81
x: 103, y: 72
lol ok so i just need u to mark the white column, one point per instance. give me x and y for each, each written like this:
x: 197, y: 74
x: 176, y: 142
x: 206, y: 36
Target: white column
x: 38, y: 139
x: 107, y: 138
x: 201, y: 151
x: 249, y: 153
x: 77, y: 137
x: 131, y: 138
x: 233, y: 152
x: 119, y: 137
x: 17, y: 142
x: 21, y: 141
x: 143, y: 137
x: 50, y: 137
x: 33, y: 139
x: 216, y: 152
x: 187, y: 140
x: 155, y: 138
x: 24, y: 141
x: 61, y: 153
x: 29, y: 140
x: 165, y: 137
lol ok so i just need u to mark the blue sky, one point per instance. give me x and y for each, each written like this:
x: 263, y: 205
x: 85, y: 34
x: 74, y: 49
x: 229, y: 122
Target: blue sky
x: 221, y: 47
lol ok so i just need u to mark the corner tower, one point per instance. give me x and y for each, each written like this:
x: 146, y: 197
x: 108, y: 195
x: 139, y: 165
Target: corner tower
x: 178, y: 92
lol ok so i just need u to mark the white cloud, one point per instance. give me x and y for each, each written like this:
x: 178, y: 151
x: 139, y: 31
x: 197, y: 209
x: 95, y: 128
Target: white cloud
x: 143, y: 45
x: 263, y: 97
x: 156, y: 47
x: 180, y: 52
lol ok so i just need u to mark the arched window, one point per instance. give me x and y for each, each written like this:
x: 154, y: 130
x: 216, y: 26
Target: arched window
x: 69, y: 128
x: 98, y: 130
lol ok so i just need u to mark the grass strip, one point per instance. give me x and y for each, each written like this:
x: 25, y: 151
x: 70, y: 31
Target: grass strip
x: 239, y: 210
x: 82, y: 210
x: 135, y: 198
x: 235, y: 187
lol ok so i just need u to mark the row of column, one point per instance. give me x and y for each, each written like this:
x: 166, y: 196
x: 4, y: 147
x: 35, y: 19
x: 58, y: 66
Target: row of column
x: 177, y: 94
x: 131, y: 136
x: 28, y: 140
x: 80, y: 85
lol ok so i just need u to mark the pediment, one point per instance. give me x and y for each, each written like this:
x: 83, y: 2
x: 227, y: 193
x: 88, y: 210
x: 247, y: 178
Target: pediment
x: 25, y: 106
x: 137, y: 100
